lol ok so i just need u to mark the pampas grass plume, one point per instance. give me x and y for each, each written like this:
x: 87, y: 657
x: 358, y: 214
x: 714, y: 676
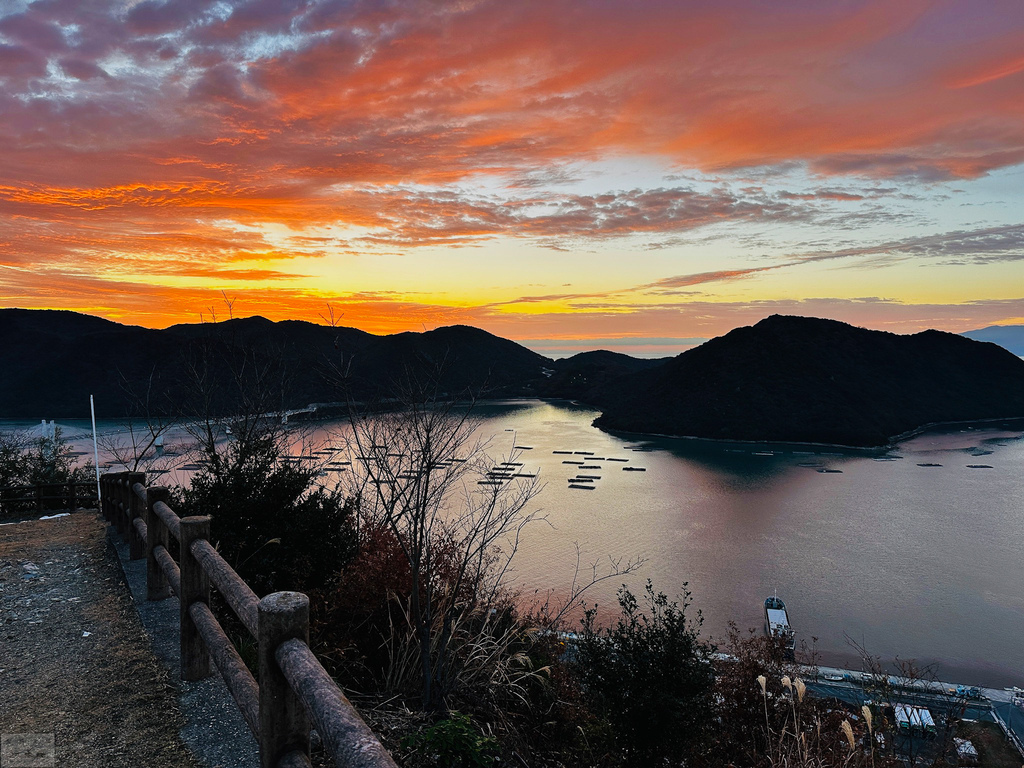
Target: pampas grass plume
x: 866, y: 711
x: 847, y: 730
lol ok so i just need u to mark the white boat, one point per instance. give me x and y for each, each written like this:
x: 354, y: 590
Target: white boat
x: 776, y: 621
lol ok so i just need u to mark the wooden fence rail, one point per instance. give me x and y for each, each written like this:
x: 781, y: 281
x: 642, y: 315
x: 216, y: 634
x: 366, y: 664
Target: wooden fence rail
x: 37, y: 498
x: 293, y: 689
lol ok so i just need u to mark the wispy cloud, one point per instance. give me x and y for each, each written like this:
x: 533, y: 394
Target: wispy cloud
x: 706, y: 319
x: 195, y: 139
x: 979, y: 246
x: 671, y: 284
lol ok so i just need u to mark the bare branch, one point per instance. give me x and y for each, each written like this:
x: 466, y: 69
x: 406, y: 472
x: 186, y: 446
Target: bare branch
x: 424, y: 473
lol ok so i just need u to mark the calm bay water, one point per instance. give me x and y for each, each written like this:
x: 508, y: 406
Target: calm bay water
x: 909, y: 561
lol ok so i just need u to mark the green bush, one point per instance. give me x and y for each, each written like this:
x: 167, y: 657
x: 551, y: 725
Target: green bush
x: 26, y: 461
x: 12, y: 460
x: 270, y: 522
x: 649, y: 678
x: 453, y: 743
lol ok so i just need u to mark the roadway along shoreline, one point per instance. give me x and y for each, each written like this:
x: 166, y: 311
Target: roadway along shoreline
x: 993, y: 705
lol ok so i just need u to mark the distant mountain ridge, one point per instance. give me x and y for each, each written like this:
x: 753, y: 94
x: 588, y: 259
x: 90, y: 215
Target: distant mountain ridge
x: 1010, y: 337
x: 798, y: 379
x: 784, y: 379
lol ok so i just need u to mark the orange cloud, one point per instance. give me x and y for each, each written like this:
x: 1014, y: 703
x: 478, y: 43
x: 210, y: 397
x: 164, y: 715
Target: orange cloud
x: 168, y: 139
x: 994, y: 72
x: 696, y: 318
x: 436, y: 93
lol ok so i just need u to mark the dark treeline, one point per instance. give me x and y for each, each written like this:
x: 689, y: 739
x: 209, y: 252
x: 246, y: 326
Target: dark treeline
x: 784, y: 379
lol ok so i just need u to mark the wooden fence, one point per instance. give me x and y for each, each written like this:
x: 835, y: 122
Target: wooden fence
x: 293, y: 690
x: 25, y: 499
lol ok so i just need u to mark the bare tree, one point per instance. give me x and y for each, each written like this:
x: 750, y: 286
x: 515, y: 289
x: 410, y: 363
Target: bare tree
x: 138, y: 444
x: 253, y: 472
x: 423, y: 472
x: 554, y: 608
x: 236, y: 395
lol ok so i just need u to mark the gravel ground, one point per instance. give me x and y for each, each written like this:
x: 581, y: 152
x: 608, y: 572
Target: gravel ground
x: 214, y: 728
x: 76, y: 665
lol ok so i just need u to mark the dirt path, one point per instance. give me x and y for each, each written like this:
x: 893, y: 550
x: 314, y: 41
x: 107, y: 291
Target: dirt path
x: 75, y: 662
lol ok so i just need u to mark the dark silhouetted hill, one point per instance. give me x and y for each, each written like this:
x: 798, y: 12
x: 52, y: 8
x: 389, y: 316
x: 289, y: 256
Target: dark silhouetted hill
x: 809, y: 380
x: 467, y: 358
x: 579, y: 376
x: 784, y: 379
x: 51, y: 361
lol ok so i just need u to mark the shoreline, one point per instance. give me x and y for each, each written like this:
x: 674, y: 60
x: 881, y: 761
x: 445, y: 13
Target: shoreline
x: 893, y: 443
x: 968, y: 672
x: 1017, y: 422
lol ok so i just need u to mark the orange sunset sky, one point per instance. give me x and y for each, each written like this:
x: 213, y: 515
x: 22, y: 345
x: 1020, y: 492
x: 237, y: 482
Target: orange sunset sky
x: 638, y: 176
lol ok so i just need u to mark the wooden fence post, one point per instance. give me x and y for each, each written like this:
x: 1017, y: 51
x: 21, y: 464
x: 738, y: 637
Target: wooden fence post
x: 284, y: 724
x: 105, y: 497
x: 157, y: 587
x: 124, y: 500
x: 136, y: 545
x: 108, y: 498
x: 73, y: 501
x: 195, y: 587
x: 117, y: 503
x: 39, y: 498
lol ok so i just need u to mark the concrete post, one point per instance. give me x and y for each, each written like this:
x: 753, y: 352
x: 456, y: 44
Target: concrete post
x: 284, y: 724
